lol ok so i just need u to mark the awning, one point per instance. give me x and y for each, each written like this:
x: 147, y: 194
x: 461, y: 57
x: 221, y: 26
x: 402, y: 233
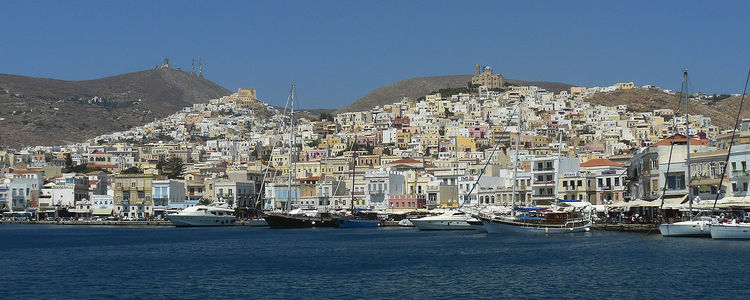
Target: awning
x: 102, y: 212
x: 79, y: 211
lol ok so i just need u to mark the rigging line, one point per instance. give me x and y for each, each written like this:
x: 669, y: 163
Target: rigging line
x: 497, y: 145
x: 671, y: 147
x: 726, y: 161
x: 338, y: 182
x: 268, y: 168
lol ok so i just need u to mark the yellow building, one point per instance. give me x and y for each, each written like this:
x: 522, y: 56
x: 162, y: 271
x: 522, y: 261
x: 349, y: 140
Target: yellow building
x: 403, y: 139
x: 625, y: 85
x: 132, y: 195
x: 466, y: 143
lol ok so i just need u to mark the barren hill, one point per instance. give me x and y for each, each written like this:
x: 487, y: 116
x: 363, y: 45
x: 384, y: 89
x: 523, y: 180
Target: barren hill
x: 41, y: 111
x: 722, y: 112
x: 418, y: 87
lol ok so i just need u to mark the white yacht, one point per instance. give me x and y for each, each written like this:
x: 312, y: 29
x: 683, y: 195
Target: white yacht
x: 730, y: 231
x: 202, y: 215
x: 450, y: 220
x: 687, y: 228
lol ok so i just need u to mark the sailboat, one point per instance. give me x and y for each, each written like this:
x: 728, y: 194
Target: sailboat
x: 356, y: 219
x: 297, y: 218
x: 737, y: 230
x: 536, y: 220
x: 700, y: 227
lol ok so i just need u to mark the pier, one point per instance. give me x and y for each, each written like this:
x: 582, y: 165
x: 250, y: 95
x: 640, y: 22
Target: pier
x: 640, y: 228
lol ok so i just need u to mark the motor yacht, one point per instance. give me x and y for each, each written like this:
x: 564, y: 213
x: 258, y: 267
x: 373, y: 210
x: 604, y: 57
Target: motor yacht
x: 202, y: 215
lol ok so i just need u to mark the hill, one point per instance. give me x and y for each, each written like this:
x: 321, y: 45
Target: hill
x: 722, y: 112
x: 418, y: 87
x: 41, y: 111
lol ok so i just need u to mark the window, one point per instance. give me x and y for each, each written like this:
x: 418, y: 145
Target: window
x: 132, y: 184
x: 744, y: 186
x: 599, y: 182
x: 734, y: 187
x: 617, y: 181
x: 580, y: 183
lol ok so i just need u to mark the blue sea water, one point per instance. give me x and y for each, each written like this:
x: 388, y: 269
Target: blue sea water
x: 38, y: 261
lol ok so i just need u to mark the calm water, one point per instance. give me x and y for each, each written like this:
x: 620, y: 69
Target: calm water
x: 116, y: 262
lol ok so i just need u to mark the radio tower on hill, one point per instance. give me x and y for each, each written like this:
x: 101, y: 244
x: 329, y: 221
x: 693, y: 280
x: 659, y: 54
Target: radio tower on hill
x: 200, y: 67
x: 192, y: 66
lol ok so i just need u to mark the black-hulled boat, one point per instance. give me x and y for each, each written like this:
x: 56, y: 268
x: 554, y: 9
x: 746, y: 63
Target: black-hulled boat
x: 299, y: 221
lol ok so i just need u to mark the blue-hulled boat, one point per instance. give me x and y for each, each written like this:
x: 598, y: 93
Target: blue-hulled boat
x: 353, y: 222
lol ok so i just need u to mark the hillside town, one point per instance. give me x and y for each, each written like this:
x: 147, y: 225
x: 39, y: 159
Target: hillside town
x: 485, y: 145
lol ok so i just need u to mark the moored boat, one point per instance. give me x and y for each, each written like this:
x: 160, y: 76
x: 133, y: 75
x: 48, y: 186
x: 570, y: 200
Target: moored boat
x: 353, y: 222
x: 202, y: 215
x: 450, y: 220
x: 730, y: 231
x: 693, y: 228
x: 537, y: 221
x: 299, y: 219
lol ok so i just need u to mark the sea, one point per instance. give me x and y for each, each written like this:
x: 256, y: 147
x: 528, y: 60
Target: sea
x: 89, y: 262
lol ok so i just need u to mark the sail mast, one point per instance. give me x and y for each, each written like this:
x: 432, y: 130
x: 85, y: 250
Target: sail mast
x: 559, y: 161
x: 515, y: 163
x: 687, y: 142
x: 291, y: 147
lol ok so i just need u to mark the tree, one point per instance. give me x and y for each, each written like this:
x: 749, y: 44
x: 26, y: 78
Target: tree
x: 173, y: 167
x: 132, y: 170
x: 68, y: 161
x: 326, y: 116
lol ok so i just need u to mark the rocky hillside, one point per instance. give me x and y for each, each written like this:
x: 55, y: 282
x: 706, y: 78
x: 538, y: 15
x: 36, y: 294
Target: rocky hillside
x: 41, y: 111
x: 722, y: 112
x: 418, y: 87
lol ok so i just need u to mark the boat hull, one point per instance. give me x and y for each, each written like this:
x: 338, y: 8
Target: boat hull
x: 730, y: 231
x: 201, y: 221
x: 686, y: 228
x: 257, y: 222
x: 282, y: 221
x: 355, y: 223
x: 442, y: 224
x: 500, y: 227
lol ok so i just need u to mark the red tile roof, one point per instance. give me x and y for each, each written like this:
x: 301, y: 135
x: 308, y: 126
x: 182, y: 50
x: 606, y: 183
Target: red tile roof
x: 406, y: 161
x: 679, y: 139
x: 600, y: 162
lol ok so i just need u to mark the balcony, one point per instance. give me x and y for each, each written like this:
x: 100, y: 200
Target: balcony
x: 545, y: 182
x: 739, y: 173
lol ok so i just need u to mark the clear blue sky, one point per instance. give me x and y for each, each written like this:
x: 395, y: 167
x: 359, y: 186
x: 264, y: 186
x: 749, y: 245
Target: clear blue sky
x: 338, y: 51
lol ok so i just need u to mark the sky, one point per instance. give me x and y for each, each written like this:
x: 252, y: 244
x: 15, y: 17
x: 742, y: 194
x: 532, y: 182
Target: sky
x: 338, y: 51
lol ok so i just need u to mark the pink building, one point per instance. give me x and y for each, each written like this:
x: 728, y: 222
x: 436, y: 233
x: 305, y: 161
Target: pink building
x: 407, y: 202
x: 478, y: 132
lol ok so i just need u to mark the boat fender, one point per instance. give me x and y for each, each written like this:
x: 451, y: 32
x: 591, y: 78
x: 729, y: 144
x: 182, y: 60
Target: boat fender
x: 701, y: 226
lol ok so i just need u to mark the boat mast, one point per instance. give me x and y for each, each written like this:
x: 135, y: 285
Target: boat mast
x: 455, y: 168
x: 515, y: 163
x: 687, y: 142
x: 291, y: 147
x: 559, y: 160
x: 354, y: 167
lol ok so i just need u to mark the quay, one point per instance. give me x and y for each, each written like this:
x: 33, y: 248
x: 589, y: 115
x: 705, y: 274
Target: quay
x: 640, y: 228
x: 99, y: 223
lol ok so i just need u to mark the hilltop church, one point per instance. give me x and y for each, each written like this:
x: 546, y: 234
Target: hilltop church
x: 484, y: 76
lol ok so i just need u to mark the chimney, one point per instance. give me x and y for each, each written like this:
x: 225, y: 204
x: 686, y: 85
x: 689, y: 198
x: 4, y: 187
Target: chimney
x: 745, y: 126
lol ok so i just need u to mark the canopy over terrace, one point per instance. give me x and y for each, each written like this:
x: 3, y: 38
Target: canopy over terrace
x: 727, y: 203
